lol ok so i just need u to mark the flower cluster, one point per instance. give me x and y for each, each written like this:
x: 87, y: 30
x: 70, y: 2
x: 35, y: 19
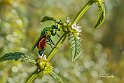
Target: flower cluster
x: 77, y: 28
x: 44, y: 65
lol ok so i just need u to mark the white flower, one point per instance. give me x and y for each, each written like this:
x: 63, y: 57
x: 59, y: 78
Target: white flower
x: 76, y: 27
x: 67, y: 20
x: 43, y: 57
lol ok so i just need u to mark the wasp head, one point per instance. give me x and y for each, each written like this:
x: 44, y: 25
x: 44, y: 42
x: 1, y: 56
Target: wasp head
x: 54, y: 27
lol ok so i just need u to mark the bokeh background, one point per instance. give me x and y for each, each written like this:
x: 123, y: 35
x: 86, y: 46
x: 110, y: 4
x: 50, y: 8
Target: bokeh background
x: 103, y: 61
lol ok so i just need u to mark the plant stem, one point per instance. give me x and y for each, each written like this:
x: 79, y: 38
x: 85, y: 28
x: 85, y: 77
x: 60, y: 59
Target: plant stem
x: 32, y: 76
x: 59, y: 43
x: 82, y: 11
x: 61, y: 40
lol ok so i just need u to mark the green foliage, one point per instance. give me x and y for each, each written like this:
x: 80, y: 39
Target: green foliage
x: 76, y: 46
x: 56, y: 77
x: 47, y: 18
x: 101, y: 15
x: 17, y: 56
x: 82, y: 11
x: 68, y: 28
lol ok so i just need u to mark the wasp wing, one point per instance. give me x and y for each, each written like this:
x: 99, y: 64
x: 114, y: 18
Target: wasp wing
x: 36, y: 43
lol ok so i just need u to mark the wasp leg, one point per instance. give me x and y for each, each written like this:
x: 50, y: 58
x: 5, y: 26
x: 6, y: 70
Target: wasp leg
x: 58, y: 35
x: 50, y: 40
x: 60, y: 22
x: 50, y: 44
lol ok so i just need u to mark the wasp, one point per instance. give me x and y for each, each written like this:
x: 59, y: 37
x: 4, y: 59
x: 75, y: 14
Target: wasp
x: 45, y: 38
x: 46, y: 33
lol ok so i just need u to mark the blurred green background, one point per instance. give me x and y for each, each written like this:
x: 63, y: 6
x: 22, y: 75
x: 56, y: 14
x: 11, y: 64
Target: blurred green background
x: 103, y: 61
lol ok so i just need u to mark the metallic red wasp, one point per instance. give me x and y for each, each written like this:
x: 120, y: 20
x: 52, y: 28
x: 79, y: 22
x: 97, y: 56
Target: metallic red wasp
x: 45, y: 38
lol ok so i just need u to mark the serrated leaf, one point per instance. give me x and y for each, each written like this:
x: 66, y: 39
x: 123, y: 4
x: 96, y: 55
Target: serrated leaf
x: 56, y: 77
x: 47, y: 18
x: 101, y: 15
x: 76, y: 46
x: 17, y: 56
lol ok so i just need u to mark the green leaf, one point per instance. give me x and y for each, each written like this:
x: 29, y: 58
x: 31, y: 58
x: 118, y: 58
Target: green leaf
x: 17, y: 56
x: 76, y: 46
x: 56, y: 77
x: 101, y: 15
x: 47, y: 18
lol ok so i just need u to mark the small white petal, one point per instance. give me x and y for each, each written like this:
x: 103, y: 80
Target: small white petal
x: 67, y: 20
x: 76, y: 27
x: 44, y: 57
